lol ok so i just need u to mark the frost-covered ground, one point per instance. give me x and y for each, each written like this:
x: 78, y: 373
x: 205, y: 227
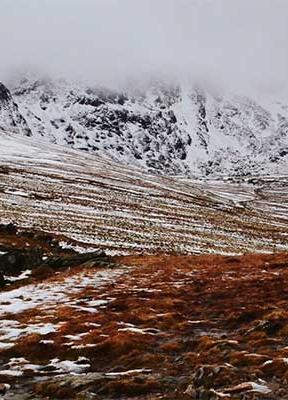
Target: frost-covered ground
x: 102, y: 204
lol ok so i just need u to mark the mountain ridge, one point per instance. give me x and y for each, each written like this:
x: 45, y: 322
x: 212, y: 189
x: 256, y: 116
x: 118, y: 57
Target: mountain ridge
x: 164, y: 129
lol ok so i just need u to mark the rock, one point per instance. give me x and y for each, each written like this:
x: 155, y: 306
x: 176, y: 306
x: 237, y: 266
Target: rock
x: 209, y: 376
x: 87, y: 260
x: 17, y: 260
x: 108, y: 384
x: 75, y: 382
x: 4, y: 387
x: 10, y: 117
x: 9, y: 228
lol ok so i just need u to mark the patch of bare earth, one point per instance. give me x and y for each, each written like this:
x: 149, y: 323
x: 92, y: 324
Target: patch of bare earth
x: 161, y: 327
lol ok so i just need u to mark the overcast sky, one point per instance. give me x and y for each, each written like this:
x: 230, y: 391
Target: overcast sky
x: 241, y: 42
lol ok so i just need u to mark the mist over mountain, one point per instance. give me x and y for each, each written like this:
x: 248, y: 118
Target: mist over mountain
x: 186, y: 87
x: 240, y: 45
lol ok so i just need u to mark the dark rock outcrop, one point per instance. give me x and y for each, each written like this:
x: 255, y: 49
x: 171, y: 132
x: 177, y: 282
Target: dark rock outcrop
x: 16, y: 261
x: 11, y: 120
x: 89, y: 259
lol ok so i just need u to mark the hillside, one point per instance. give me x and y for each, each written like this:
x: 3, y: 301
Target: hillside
x: 98, y: 203
x: 162, y: 128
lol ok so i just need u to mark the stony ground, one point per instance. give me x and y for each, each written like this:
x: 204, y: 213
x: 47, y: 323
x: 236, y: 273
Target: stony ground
x: 148, y: 327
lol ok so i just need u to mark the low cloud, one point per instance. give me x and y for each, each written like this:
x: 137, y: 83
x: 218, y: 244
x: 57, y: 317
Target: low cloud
x: 239, y: 43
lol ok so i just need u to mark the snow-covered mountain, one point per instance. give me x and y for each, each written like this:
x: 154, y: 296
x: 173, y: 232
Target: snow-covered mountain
x: 170, y: 129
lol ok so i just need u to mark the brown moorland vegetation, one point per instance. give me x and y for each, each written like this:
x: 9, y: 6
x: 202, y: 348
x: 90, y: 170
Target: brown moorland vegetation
x: 170, y: 327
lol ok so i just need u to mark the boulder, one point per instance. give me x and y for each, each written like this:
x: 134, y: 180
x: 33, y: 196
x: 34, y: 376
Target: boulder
x: 96, y: 258
x: 8, y: 228
x: 16, y: 261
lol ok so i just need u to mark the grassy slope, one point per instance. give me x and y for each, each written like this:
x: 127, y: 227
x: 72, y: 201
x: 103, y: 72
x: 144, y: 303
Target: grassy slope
x: 102, y: 204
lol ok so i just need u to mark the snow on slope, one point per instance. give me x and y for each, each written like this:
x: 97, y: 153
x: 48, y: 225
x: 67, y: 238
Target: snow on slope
x: 103, y: 204
x: 170, y: 129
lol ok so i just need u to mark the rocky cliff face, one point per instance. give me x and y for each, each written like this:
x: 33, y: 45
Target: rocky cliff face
x: 10, y: 118
x: 169, y: 129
